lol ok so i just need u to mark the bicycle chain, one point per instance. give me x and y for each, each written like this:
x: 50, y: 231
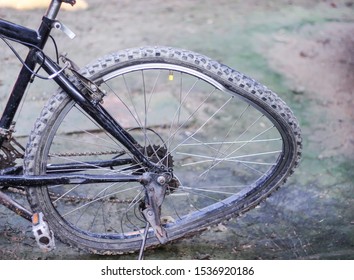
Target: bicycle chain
x: 86, y: 154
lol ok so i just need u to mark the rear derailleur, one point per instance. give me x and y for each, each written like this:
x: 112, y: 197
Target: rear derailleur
x: 155, y: 191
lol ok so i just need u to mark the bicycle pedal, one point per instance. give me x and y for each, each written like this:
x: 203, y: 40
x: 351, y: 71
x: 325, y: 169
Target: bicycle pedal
x: 43, y: 235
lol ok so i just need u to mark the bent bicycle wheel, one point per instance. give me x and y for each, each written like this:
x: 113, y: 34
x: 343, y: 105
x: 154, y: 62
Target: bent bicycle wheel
x: 229, y: 141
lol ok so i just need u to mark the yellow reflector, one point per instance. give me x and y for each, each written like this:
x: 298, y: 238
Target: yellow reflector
x: 170, y: 76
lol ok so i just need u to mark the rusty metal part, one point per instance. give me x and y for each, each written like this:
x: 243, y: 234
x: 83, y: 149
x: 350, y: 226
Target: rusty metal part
x: 10, y: 151
x: 155, y: 190
x: 15, y: 207
x: 82, y: 154
x: 92, y: 89
x: 159, y: 154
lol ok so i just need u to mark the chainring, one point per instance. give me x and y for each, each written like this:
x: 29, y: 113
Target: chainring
x: 9, y: 153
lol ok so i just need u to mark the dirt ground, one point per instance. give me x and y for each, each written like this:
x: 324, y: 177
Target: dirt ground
x: 303, y: 50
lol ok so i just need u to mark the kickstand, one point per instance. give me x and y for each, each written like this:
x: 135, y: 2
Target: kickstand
x: 142, y: 247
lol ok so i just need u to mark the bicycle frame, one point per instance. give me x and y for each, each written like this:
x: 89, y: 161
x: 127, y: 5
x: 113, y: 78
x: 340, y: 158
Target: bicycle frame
x: 36, y: 41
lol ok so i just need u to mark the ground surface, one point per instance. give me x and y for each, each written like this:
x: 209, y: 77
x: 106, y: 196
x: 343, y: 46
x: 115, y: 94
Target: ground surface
x: 303, y: 50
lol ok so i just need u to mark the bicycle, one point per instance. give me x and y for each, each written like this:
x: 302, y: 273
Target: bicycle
x: 142, y: 147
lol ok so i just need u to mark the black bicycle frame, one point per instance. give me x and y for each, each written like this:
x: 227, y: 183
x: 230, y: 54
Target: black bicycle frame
x: 36, y: 41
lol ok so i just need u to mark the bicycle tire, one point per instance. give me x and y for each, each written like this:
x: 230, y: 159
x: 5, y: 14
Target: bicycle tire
x: 262, y: 156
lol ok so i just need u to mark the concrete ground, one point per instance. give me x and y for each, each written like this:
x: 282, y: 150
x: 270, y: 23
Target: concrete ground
x: 301, y: 49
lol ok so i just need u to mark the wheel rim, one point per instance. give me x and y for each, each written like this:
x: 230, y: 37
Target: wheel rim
x: 213, y: 173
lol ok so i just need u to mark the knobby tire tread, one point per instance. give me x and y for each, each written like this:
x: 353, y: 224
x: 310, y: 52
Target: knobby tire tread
x: 231, y: 79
